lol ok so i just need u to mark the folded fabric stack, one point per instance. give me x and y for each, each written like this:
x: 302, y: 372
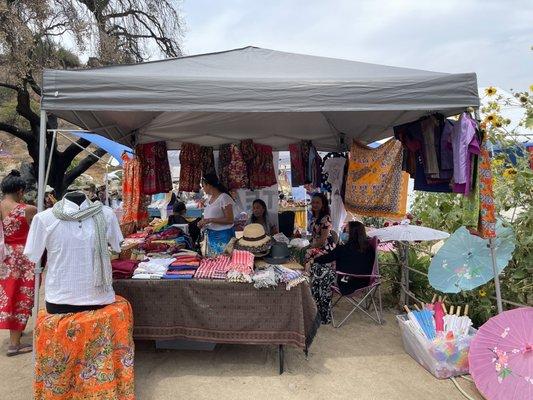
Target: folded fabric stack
x: 213, y: 268
x: 123, y: 269
x: 290, y: 277
x: 184, y: 267
x: 241, y: 266
x: 154, y: 268
x: 264, y: 278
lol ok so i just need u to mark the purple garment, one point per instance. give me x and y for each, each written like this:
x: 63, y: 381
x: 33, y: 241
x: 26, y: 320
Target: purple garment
x: 463, y: 133
x: 473, y: 149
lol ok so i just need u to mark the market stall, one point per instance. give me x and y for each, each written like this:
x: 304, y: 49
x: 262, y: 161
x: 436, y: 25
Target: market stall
x: 274, y: 99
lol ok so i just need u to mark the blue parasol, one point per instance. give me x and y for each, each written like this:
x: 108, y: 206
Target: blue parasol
x: 464, y: 262
x: 113, y: 148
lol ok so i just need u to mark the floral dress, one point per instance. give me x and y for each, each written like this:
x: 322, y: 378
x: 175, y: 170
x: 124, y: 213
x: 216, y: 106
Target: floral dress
x: 322, y: 275
x: 16, y: 273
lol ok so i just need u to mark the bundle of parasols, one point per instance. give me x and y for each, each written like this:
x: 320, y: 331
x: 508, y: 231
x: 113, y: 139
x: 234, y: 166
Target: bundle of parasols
x: 435, y: 320
x: 438, y: 336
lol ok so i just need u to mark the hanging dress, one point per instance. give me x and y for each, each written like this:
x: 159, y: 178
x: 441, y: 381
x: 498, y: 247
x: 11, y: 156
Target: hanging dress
x: 16, y: 273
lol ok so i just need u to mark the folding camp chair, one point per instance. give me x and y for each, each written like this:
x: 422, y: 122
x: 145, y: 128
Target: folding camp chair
x: 361, y: 299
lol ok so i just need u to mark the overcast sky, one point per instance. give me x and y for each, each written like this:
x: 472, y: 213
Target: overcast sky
x: 490, y: 37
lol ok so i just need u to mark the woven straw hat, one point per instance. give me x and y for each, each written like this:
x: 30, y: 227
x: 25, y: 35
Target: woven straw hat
x: 254, y: 236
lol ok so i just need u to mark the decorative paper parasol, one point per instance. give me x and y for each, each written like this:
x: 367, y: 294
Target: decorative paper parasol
x: 464, y: 261
x: 501, y: 356
x: 404, y: 232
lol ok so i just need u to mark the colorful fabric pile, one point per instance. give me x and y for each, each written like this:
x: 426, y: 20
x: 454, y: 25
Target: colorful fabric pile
x: 376, y: 185
x: 155, y: 168
x: 264, y: 278
x: 184, y: 267
x: 290, y: 277
x: 123, y: 269
x: 85, y: 355
x: 213, y: 268
x: 153, y: 268
x: 241, y: 266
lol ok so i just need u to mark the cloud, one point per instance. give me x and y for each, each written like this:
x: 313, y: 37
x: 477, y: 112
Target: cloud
x: 490, y: 37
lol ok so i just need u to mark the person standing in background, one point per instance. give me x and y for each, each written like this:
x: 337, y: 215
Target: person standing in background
x: 16, y: 271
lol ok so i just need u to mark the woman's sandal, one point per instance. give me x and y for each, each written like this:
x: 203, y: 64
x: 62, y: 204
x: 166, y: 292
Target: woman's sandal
x: 20, y: 349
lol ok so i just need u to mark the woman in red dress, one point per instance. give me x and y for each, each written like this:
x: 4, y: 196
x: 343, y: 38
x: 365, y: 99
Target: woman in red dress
x: 16, y: 271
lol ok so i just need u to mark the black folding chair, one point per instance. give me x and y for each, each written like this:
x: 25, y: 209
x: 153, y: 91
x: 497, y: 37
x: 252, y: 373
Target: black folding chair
x: 286, y: 223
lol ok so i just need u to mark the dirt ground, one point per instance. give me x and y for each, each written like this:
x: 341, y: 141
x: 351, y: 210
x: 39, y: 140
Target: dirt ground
x: 361, y: 360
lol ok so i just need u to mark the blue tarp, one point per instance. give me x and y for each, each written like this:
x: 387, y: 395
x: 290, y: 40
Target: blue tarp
x: 114, y: 149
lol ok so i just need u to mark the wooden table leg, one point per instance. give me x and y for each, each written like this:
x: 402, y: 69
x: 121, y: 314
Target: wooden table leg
x: 281, y: 359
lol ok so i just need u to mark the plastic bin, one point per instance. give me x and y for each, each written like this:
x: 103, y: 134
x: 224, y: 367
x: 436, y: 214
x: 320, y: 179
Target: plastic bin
x: 444, y: 358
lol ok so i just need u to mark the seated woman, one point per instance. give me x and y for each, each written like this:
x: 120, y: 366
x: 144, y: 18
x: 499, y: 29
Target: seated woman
x: 356, y: 257
x: 218, y: 216
x: 178, y: 218
x: 178, y: 214
x: 260, y: 215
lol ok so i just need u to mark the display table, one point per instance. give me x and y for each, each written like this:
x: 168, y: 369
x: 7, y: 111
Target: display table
x: 221, y: 312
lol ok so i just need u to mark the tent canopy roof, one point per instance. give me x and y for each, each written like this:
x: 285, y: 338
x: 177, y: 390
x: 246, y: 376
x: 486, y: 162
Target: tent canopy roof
x: 273, y: 97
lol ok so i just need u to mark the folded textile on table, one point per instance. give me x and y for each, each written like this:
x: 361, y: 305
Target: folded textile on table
x: 146, y: 276
x: 241, y: 266
x: 123, y: 269
x: 152, y: 269
x: 173, y: 276
x: 264, y: 278
x: 181, y: 272
x: 183, y: 267
x: 239, y: 277
x: 213, y: 268
x: 288, y: 276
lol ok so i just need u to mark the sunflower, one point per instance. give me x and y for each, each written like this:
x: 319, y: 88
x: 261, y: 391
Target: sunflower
x: 482, y: 293
x: 491, y: 118
x: 531, y: 88
x: 490, y: 91
x: 509, y: 173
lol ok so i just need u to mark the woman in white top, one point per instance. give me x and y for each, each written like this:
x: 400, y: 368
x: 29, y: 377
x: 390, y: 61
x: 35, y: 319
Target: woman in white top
x: 218, y: 215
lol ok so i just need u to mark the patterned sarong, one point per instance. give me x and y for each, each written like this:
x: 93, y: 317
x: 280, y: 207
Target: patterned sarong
x: 86, y: 355
x: 376, y: 184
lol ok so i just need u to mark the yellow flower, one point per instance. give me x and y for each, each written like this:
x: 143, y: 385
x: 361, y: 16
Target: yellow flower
x: 482, y: 293
x: 509, y: 173
x: 490, y: 91
x: 497, y: 162
x: 531, y: 88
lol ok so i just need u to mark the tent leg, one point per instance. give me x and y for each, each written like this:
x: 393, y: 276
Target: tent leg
x: 40, y: 207
x: 496, y: 277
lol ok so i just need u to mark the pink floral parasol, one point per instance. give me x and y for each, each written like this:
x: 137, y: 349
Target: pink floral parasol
x: 501, y: 356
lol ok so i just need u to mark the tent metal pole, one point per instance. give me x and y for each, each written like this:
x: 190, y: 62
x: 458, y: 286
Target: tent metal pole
x: 496, y: 277
x: 54, y: 137
x: 40, y: 207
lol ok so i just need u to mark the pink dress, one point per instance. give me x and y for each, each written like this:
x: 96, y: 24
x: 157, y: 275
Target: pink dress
x: 16, y: 273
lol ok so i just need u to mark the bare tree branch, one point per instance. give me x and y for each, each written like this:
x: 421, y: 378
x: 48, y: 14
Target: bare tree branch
x: 83, y: 166
x: 21, y: 134
x: 73, y: 150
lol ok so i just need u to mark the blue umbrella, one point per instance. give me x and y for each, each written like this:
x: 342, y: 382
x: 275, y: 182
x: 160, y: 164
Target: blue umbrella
x: 113, y: 148
x: 464, y: 262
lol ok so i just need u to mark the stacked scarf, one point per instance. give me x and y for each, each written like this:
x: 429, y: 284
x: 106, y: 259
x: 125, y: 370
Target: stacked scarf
x: 241, y: 266
x: 102, y: 275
